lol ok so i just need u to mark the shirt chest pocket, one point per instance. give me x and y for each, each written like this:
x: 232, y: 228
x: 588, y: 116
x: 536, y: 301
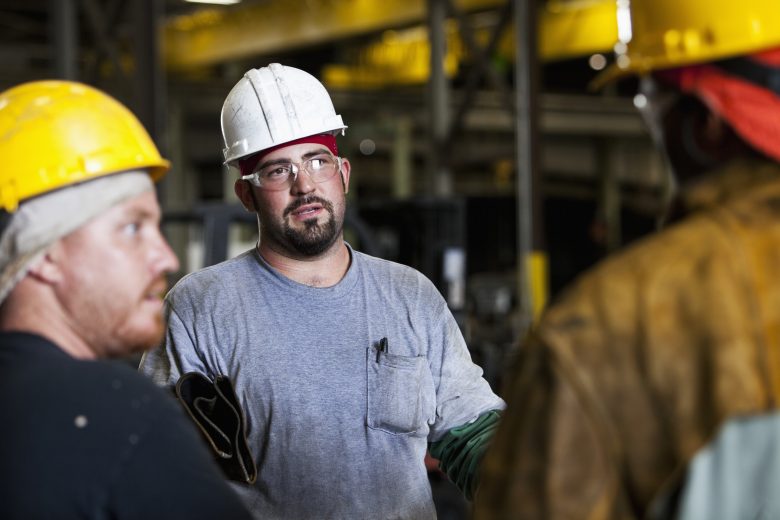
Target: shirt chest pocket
x: 401, y: 395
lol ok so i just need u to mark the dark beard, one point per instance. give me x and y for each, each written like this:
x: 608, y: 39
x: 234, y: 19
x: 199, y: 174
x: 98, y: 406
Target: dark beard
x: 314, y: 239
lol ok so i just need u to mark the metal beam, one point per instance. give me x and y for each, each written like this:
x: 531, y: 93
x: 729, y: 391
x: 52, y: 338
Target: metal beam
x: 531, y: 260
x: 573, y: 29
x: 64, y: 27
x: 150, y: 97
x: 148, y: 81
x: 439, y: 180
x: 211, y: 36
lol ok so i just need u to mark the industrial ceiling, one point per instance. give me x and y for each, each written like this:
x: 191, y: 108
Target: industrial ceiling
x: 172, y: 59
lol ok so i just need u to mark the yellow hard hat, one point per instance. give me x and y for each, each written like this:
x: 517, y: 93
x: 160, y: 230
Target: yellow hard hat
x: 57, y: 133
x: 661, y: 34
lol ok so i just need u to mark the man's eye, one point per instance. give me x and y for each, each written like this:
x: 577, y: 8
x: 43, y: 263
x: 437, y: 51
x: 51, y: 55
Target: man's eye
x: 276, y: 172
x: 131, y: 228
x: 317, y: 163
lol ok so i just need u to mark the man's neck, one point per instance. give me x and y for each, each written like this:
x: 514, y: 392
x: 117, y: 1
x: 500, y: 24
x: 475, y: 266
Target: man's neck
x: 24, y: 313
x: 324, y: 270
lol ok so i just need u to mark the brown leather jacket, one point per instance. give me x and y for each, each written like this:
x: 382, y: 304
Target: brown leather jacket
x: 640, y: 361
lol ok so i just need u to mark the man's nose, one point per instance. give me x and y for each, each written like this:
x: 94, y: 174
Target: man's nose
x: 165, y: 260
x: 302, y: 181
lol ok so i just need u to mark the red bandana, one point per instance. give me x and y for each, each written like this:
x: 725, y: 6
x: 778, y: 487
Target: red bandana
x: 753, y: 111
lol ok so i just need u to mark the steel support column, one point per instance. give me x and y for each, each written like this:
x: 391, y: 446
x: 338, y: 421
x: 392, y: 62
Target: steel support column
x: 64, y: 35
x: 609, y: 202
x: 149, y: 92
x: 438, y: 181
x: 402, y: 157
x: 149, y: 83
x: 531, y: 260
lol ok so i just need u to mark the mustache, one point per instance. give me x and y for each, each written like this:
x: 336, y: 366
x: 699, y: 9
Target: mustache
x: 309, y: 199
x: 158, y: 286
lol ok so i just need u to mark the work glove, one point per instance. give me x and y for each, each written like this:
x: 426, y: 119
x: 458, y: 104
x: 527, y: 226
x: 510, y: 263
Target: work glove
x: 215, y: 409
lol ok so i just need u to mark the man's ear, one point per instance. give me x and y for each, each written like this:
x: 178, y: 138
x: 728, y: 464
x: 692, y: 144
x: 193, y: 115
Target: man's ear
x: 715, y: 129
x: 47, y: 268
x: 244, y: 193
x: 346, y: 168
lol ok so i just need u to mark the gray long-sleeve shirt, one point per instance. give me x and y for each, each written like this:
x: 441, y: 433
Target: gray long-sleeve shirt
x: 339, y: 428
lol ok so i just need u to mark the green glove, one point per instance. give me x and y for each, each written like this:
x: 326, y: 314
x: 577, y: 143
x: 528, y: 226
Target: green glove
x: 460, y: 451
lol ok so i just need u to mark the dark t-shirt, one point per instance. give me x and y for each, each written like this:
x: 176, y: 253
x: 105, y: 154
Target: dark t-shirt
x: 93, y: 439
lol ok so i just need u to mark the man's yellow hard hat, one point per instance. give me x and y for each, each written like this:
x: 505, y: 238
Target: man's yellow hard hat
x: 57, y: 133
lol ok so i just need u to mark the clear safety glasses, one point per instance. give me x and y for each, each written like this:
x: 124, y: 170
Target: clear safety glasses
x: 282, y: 175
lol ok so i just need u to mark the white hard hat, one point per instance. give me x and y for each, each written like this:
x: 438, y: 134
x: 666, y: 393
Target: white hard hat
x: 274, y: 105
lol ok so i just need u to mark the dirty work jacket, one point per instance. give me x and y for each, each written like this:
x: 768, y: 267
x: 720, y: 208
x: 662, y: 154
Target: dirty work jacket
x: 642, y: 359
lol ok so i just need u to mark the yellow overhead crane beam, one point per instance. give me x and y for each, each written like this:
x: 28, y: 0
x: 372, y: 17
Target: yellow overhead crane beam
x: 211, y: 36
x: 567, y: 28
x: 396, y: 58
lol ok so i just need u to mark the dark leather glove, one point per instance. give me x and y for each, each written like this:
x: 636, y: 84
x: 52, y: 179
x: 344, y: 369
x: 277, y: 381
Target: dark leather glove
x: 215, y: 409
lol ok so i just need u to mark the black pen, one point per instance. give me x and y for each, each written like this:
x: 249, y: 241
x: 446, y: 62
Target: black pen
x: 381, y: 348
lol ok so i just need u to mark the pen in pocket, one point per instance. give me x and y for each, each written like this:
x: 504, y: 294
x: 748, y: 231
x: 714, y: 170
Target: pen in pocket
x: 382, y: 347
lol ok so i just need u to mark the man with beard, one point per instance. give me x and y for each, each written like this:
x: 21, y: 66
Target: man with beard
x: 348, y: 367
x: 82, y: 276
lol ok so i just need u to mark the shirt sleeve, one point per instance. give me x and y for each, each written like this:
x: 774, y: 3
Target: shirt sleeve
x: 462, y: 393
